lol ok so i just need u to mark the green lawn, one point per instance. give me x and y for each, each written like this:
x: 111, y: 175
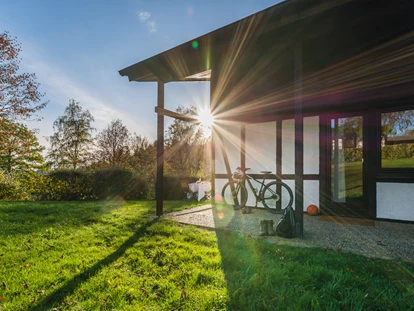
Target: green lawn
x: 398, y: 163
x: 114, y: 256
x: 353, y: 174
x: 353, y: 179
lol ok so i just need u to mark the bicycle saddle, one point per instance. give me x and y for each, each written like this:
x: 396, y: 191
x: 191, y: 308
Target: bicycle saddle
x: 266, y: 172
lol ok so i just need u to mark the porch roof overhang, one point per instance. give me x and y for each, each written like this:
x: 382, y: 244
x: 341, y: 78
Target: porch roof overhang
x: 187, y: 62
x: 332, y: 34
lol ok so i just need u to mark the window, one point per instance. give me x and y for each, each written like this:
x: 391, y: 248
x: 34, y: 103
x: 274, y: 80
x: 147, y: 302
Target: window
x: 397, y: 139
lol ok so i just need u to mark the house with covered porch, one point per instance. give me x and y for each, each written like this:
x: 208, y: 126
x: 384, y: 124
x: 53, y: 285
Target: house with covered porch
x: 319, y: 92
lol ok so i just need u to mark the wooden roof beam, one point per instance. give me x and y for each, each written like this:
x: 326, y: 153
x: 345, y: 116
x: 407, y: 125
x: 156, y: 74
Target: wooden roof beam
x: 172, y: 114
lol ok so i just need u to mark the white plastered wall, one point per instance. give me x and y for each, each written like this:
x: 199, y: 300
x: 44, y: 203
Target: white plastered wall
x: 395, y: 201
x: 219, y: 184
x: 261, y: 147
x: 231, y: 137
x: 288, y: 146
x: 310, y: 193
x: 291, y: 184
x: 311, y: 145
x: 260, y: 153
x: 310, y: 160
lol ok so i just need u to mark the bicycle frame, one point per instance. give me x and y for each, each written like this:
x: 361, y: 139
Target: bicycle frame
x: 257, y: 193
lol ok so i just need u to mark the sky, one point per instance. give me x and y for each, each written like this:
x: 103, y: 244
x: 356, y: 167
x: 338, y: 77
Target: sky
x: 77, y: 47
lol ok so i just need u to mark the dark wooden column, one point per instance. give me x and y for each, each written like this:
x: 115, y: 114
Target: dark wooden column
x: 213, y: 137
x: 298, y: 140
x: 159, y: 187
x: 371, y: 159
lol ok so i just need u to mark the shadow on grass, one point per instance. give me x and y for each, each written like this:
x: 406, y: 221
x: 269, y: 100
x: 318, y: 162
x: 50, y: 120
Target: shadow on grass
x: 265, y: 276
x: 27, y: 217
x: 57, y: 297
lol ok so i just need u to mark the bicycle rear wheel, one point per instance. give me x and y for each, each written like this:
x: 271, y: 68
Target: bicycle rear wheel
x: 276, y: 196
x: 234, y: 194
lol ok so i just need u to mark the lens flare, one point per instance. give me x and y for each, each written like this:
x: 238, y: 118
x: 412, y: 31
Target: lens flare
x: 194, y: 45
x: 206, y: 119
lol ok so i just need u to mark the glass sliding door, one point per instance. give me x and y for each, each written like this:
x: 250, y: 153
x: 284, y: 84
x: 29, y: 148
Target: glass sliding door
x: 347, y: 163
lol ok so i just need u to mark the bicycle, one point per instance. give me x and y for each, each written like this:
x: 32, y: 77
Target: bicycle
x: 275, y: 195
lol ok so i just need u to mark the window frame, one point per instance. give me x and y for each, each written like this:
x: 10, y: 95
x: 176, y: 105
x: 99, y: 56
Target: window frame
x: 391, y: 174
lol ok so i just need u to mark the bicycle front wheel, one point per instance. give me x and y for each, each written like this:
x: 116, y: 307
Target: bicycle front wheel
x: 276, y: 196
x: 234, y: 194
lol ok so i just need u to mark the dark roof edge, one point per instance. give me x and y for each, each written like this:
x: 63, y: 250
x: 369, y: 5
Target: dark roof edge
x: 121, y: 72
x: 325, y: 6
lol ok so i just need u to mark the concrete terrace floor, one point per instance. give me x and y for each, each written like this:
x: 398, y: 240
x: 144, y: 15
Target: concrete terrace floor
x: 382, y: 239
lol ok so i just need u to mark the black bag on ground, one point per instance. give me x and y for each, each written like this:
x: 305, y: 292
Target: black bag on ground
x: 286, y: 225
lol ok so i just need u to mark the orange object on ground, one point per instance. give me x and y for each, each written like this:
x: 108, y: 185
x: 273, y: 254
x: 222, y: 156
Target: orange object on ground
x: 312, y: 210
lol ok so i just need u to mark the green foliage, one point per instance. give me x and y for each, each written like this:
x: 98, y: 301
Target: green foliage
x: 19, y: 147
x: 187, y: 151
x: 68, y: 185
x: 11, y: 188
x: 19, y: 186
x: 19, y: 95
x: 397, y: 123
x: 117, y: 182
x: 352, y: 154
x: 72, y: 139
x: 399, y: 151
x: 112, y: 144
x: 172, y: 187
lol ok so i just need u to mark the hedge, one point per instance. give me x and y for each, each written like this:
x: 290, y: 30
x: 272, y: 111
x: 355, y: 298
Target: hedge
x: 172, y: 187
x: 117, y: 182
x: 70, y: 185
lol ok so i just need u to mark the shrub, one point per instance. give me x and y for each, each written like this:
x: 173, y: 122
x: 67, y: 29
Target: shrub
x: 172, y: 187
x: 118, y: 182
x: 353, y: 154
x: 11, y: 187
x: 67, y: 185
x: 19, y: 186
x: 400, y: 151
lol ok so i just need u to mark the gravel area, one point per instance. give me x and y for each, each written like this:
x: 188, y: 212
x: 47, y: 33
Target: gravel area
x: 389, y: 240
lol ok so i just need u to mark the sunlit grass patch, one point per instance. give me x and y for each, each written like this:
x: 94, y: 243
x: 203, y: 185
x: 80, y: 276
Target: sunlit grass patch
x: 117, y: 256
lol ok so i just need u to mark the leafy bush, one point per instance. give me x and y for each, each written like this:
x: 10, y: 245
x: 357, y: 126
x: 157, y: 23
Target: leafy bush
x: 172, y: 187
x: 352, y: 154
x: 20, y: 186
x: 118, y: 182
x: 11, y: 187
x: 400, y: 151
x: 71, y: 185
x: 67, y: 185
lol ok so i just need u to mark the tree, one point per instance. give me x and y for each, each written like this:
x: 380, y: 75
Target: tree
x: 185, y: 147
x: 350, y: 129
x: 143, y: 155
x: 19, y: 95
x: 143, y: 158
x: 19, y: 147
x: 396, y: 123
x: 72, y: 140
x: 112, y: 144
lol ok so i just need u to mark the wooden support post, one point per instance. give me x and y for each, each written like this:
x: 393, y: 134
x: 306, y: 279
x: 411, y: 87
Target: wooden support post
x: 298, y: 140
x: 213, y: 138
x: 159, y: 187
x: 371, y: 159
